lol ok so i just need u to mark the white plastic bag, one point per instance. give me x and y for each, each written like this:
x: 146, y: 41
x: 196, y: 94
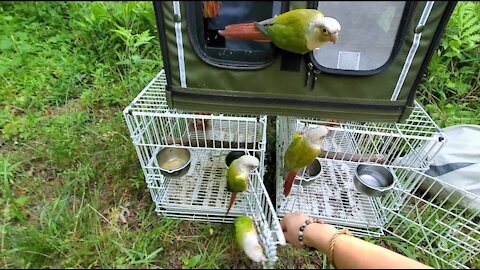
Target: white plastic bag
x: 457, y: 164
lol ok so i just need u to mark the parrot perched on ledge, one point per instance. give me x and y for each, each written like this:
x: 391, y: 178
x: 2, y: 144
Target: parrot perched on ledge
x: 299, y: 31
x: 238, y: 175
x: 301, y: 151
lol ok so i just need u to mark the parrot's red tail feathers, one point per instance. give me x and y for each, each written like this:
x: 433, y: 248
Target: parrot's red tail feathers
x: 289, y: 182
x: 211, y: 9
x: 232, y: 200
x: 243, y: 31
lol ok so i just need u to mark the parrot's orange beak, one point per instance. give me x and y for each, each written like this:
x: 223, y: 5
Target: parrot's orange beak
x: 333, y: 38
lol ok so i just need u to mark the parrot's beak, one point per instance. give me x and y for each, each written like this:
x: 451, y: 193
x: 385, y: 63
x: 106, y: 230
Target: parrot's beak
x: 333, y: 38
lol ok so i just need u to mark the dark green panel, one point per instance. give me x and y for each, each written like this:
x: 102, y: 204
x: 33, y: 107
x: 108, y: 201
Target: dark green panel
x: 274, y: 91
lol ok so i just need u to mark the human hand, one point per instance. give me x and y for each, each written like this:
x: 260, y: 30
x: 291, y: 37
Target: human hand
x: 290, y: 224
x: 314, y: 235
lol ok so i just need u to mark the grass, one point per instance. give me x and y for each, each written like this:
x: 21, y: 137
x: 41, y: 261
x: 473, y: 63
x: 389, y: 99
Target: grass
x: 72, y: 190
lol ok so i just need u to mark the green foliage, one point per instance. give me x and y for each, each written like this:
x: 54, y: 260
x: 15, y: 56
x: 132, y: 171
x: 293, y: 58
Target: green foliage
x: 63, y: 90
x: 13, y: 205
x: 451, y: 88
x: 56, y: 52
x: 192, y: 262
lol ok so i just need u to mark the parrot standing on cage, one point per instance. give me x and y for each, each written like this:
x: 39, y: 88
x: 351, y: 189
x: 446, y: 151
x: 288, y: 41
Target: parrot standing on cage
x: 299, y: 31
x: 247, y: 238
x: 238, y: 175
x: 301, y: 151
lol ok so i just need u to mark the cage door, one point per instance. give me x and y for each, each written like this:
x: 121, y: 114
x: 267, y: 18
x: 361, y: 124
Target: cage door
x: 436, y: 221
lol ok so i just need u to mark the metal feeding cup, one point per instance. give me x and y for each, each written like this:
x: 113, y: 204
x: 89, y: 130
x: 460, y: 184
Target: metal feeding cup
x: 173, y: 162
x: 307, y: 175
x: 373, y: 180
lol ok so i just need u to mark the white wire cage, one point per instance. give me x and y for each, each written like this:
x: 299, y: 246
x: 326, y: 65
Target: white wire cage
x: 333, y: 196
x: 439, y: 221
x: 201, y: 194
x: 411, y: 144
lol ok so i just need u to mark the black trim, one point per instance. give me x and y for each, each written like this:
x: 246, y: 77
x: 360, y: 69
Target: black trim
x: 161, y: 31
x: 433, y: 47
x: 285, y: 6
x: 312, y: 4
x: 290, y: 61
x: 403, y: 26
x: 194, y: 16
x: 278, y: 101
x: 439, y: 170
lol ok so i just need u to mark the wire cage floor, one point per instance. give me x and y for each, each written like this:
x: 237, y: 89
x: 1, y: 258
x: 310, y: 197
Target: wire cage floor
x: 333, y: 198
x: 201, y: 193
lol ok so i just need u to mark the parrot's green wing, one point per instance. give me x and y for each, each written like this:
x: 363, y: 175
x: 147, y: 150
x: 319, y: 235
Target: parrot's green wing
x: 236, y: 182
x: 243, y: 225
x: 288, y: 30
x: 290, y: 157
x: 299, y: 154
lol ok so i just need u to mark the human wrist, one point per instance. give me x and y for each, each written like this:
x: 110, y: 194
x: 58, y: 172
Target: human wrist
x: 318, y: 236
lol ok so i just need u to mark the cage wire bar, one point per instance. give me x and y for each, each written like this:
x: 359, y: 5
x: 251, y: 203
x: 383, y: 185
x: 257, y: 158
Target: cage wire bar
x: 201, y: 193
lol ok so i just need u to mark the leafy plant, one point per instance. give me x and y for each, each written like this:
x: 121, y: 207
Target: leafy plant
x: 189, y: 263
x: 451, y: 87
x: 13, y: 206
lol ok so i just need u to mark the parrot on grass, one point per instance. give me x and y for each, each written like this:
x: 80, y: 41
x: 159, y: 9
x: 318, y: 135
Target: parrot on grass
x: 302, y: 150
x: 238, y: 175
x: 247, y: 238
x: 299, y: 31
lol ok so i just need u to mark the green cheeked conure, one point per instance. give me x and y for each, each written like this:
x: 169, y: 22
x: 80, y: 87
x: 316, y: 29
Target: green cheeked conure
x: 238, y: 175
x: 302, y: 150
x: 247, y: 238
x: 299, y: 31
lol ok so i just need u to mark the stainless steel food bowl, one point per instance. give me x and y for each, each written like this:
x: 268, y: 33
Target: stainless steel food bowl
x: 373, y: 180
x: 173, y: 162
x: 312, y: 172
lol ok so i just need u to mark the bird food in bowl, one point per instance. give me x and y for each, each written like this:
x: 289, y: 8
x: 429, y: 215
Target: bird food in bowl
x: 373, y: 180
x: 174, y: 162
x: 312, y: 172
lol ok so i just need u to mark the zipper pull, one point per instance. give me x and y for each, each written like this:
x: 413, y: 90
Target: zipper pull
x: 309, y: 73
x: 315, y: 73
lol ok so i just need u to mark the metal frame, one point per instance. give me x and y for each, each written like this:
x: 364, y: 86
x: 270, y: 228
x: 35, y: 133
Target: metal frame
x: 201, y: 193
